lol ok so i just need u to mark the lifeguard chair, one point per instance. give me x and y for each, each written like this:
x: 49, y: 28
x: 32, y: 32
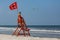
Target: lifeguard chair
x: 21, y: 27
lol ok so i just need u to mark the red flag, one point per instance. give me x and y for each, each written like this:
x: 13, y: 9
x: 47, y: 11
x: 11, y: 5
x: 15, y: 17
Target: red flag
x: 13, y: 6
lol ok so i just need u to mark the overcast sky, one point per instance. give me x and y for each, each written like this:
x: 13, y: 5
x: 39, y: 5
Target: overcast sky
x: 35, y: 12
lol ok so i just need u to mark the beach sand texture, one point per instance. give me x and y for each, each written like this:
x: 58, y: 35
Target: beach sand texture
x: 10, y: 37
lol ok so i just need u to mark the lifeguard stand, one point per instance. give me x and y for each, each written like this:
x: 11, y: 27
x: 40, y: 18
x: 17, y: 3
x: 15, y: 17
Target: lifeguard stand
x: 21, y: 27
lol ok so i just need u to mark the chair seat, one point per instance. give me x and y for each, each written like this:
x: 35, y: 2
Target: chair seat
x: 27, y: 29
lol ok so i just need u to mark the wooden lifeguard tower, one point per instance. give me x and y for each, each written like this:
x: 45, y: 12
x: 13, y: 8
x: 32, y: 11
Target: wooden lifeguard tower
x: 22, y: 28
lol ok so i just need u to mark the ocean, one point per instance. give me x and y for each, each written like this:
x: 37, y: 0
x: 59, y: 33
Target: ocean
x: 51, y: 31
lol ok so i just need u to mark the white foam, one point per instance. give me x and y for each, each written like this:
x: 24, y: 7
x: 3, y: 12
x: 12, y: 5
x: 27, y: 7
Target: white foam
x: 6, y: 28
x: 37, y: 30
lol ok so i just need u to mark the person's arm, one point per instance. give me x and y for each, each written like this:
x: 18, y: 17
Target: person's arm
x: 24, y: 22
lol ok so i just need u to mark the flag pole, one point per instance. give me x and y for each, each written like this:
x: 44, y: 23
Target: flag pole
x: 17, y: 14
x: 17, y: 10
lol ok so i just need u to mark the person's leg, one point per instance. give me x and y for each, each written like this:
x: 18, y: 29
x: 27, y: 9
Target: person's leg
x: 18, y: 31
x: 24, y: 33
x: 28, y: 33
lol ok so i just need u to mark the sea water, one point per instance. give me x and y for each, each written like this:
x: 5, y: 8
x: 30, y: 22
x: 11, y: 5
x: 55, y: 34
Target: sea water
x: 52, y: 31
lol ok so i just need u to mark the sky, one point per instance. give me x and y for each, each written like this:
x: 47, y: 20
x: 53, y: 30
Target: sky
x: 35, y: 12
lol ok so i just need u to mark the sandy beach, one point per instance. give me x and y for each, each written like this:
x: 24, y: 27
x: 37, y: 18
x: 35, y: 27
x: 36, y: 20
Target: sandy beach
x: 10, y: 37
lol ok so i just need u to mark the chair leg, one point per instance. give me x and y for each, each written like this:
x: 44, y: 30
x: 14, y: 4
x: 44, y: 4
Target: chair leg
x: 15, y: 32
x: 28, y: 33
x: 24, y: 33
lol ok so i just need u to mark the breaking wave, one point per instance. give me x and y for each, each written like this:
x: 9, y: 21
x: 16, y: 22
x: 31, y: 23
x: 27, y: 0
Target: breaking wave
x: 31, y: 29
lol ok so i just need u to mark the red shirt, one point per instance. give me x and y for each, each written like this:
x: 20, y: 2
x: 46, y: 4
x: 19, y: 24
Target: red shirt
x: 19, y: 19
